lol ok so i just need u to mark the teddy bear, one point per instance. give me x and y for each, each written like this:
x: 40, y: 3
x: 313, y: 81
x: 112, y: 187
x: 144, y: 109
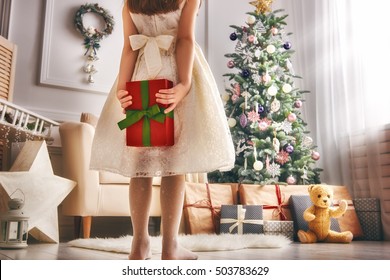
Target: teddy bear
x: 319, y: 217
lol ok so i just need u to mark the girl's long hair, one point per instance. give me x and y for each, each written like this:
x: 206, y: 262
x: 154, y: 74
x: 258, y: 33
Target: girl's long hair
x: 151, y: 7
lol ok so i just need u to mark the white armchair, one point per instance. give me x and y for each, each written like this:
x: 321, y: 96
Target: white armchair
x: 96, y: 193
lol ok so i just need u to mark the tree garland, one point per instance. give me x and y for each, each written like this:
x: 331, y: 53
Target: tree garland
x: 93, y: 36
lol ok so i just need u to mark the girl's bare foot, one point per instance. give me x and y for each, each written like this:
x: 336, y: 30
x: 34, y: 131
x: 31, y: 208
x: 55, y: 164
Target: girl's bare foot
x: 140, y: 249
x: 174, y: 251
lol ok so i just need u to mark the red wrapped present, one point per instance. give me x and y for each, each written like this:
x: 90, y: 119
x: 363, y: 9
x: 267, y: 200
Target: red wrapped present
x: 146, y: 123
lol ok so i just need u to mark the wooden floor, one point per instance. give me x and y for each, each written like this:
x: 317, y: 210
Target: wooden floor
x: 357, y: 250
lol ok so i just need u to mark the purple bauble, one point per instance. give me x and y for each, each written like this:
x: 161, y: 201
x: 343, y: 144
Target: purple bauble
x: 289, y: 148
x: 287, y: 45
x: 245, y: 73
x: 233, y: 36
x: 261, y: 109
x: 243, y: 120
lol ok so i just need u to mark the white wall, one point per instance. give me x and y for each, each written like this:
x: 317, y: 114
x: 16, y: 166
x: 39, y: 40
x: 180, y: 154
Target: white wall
x: 27, y: 28
x: 27, y: 31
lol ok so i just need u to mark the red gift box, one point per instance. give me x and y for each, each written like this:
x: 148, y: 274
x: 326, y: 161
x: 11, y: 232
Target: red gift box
x: 146, y: 123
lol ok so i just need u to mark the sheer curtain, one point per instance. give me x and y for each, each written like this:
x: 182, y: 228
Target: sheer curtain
x: 342, y: 55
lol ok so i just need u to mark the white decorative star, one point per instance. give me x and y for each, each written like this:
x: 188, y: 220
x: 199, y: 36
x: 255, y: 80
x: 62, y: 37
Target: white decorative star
x: 32, y: 173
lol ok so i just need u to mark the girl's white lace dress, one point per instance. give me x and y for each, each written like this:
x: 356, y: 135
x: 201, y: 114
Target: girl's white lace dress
x: 202, y: 138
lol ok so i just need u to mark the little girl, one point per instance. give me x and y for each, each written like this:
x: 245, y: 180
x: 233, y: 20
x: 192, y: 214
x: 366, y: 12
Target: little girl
x: 202, y: 139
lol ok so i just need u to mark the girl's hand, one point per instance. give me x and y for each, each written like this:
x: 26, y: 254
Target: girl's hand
x: 172, y: 96
x: 124, y: 98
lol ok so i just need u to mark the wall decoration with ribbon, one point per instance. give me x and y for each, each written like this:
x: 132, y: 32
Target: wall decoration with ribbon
x: 93, y: 36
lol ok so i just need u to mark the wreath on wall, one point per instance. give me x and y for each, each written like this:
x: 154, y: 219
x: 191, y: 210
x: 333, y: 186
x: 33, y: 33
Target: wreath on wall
x: 92, y: 36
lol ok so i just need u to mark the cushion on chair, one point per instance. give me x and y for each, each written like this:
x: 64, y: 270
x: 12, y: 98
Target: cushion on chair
x: 89, y: 118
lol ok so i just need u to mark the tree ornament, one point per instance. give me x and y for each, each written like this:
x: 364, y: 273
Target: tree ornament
x: 276, y: 144
x: 233, y: 36
x: 243, y: 120
x: 251, y: 20
x: 225, y: 96
x: 275, y: 105
x: 291, y: 117
x: 262, y: 6
x: 258, y: 165
x: 298, y: 104
x: 245, y: 73
x: 264, y: 123
x: 232, y: 122
x: 287, y: 45
x: 307, y: 141
x: 271, y: 49
x: 93, y: 36
x: 291, y: 180
x: 304, y: 173
x: 289, y: 148
x: 266, y: 78
x: 274, y: 170
x: 259, y: 27
x: 251, y: 38
x: 253, y: 116
x: 260, y: 109
x: 282, y: 157
x: 272, y: 90
x: 287, y: 88
x: 257, y: 53
x: 315, y: 155
x: 230, y: 64
x: 274, y: 31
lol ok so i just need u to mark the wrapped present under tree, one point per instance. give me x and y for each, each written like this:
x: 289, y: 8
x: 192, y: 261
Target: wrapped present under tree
x: 369, y: 213
x: 275, y: 201
x: 202, y: 206
x: 241, y: 219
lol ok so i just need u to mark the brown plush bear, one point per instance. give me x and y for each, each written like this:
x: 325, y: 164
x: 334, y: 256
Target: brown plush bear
x: 318, y: 217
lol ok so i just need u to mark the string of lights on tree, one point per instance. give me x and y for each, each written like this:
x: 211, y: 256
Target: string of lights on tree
x: 263, y: 105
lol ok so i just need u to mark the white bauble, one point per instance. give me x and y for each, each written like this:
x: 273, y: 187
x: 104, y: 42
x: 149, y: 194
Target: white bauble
x: 271, y: 49
x: 272, y: 90
x: 258, y: 165
x: 232, y: 122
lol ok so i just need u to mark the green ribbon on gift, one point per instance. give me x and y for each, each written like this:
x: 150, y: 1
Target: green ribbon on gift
x: 154, y: 112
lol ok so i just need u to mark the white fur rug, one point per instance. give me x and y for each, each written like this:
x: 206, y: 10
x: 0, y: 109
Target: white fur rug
x: 195, y: 243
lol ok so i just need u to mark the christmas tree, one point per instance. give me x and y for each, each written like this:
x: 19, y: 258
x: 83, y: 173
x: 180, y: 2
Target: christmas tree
x: 263, y: 105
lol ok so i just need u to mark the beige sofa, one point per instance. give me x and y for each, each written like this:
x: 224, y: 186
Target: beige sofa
x: 96, y: 193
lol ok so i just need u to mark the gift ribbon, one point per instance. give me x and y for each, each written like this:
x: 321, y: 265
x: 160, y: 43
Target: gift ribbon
x: 151, y: 48
x: 208, y: 204
x: 240, y: 221
x: 350, y: 205
x: 278, y: 209
x: 147, y: 113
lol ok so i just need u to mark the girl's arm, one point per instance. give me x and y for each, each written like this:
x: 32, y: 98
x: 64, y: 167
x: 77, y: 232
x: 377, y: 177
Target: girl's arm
x: 185, y: 43
x: 128, y: 59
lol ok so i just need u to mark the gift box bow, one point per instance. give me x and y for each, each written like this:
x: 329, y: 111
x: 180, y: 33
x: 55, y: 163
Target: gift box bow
x: 147, y: 113
x: 278, y: 209
x: 240, y: 221
x: 208, y: 204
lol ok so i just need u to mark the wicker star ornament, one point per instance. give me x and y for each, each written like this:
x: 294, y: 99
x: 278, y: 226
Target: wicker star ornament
x: 262, y: 6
